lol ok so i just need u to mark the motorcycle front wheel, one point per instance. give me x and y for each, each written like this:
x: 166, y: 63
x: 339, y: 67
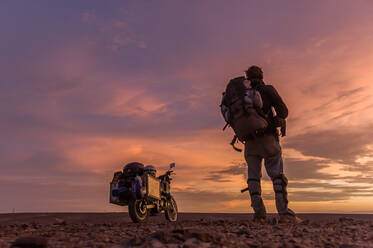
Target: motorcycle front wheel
x: 171, y: 210
x: 138, y: 211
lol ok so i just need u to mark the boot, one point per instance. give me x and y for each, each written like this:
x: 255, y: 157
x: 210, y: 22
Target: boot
x: 259, y: 218
x: 289, y: 219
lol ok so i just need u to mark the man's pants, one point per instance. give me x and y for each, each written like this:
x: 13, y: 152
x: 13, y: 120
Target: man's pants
x: 267, y: 148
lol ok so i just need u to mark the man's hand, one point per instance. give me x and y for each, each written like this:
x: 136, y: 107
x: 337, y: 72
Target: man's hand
x: 279, y: 122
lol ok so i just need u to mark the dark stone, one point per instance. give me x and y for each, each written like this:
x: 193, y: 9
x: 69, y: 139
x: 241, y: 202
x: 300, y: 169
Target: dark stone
x: 136, y: 241
x: 162, y: 236
x: 343, y: 219
x: 30, y: 242
x: 181, y: 231
x: 204, y: 237
x: 60, y: 222
x: 24, y: 226
x: 179, y: 236
x: 305, y: 222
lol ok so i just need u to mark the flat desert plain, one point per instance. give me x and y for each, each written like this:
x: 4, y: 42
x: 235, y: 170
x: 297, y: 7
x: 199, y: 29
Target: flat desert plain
x: 116, y: 230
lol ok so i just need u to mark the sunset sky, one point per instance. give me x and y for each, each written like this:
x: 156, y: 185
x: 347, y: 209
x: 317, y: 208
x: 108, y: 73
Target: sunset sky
x: 88, y: 86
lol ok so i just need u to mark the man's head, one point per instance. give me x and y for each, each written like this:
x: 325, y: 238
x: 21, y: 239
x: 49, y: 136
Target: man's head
x: 254, y: 72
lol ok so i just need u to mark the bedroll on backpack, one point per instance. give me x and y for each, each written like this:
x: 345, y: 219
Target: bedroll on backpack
x: 240, y: 108
x: 133, y: 169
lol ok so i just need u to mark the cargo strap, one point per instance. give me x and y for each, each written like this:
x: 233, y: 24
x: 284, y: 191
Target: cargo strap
x: 253, y: 179
x: 282, y: 182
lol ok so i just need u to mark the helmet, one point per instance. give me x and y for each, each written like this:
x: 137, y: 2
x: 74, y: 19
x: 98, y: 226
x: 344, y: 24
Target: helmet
x: 254, y: 72
x: 150, y: 169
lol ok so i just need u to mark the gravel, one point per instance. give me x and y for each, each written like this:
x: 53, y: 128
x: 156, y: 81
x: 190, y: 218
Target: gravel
x: 115, y: 230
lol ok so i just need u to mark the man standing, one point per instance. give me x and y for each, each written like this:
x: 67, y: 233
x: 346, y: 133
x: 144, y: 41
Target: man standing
x: 266, y: 146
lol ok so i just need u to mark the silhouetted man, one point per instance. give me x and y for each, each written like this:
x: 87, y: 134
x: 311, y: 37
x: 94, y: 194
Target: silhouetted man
x: 266, y: 146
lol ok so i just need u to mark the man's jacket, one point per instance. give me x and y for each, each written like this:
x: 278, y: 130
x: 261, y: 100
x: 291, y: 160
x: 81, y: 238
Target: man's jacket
x: 271, y: 99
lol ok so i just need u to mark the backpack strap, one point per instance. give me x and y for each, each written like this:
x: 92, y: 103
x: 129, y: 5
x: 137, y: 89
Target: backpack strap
x: 224, y: 102
x: 226, y: 125
x: 234, y: 140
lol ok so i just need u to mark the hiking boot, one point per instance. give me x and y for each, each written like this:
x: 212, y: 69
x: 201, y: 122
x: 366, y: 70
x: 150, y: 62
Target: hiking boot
x: 289, y: 219
x: 259, y: 218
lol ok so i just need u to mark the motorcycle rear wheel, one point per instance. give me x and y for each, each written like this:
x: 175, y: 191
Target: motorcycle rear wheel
x: 171, y: 210
x: 138, y: 211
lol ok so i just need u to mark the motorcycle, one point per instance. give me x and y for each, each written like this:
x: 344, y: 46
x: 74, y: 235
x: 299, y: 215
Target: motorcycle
x: 143, y: 193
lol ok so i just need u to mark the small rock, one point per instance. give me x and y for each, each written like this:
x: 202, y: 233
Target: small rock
x: 136, y: 241
x: 253, y: 244
x: 24, y: 226
x: 294, y: 241
x: 347, y: 246
x: 60, y: 222
x: 156, y: 243
x: 179, y: 236
x: 34, y: 225
x: 305, y: 222
x: 204, y: 237
x: 286, y: 244
x: 220, y: 239
x: 191, y: 243
x: 343, y: 219
x: 269, y: 244
x: 181, y: 231
x: 30, y: 242
x: 164, y: 237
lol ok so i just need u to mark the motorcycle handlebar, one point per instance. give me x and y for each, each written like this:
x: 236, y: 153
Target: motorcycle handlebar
x: 168, y: 173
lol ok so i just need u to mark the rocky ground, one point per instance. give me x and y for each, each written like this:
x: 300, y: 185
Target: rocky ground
x: 115, y: 230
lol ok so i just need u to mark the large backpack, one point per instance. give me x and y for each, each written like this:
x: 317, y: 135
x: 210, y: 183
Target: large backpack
x: 241, y: 108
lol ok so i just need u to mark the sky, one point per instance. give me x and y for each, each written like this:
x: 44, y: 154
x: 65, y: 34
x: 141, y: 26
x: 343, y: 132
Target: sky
x: 88, y: 86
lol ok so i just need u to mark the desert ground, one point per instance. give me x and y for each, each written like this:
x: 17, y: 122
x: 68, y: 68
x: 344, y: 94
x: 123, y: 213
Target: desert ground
x: 115, y: 230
